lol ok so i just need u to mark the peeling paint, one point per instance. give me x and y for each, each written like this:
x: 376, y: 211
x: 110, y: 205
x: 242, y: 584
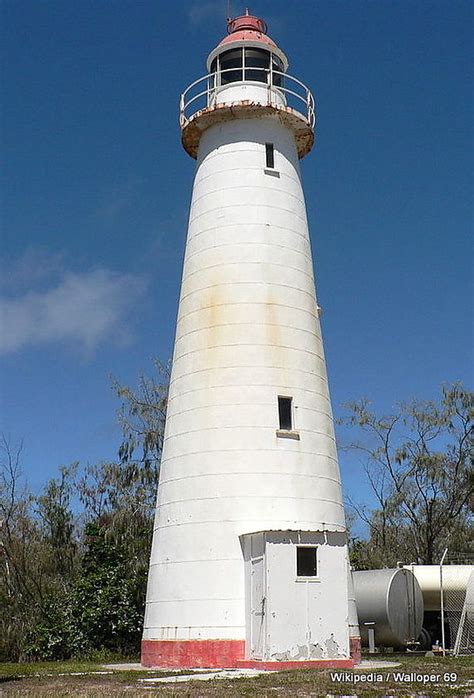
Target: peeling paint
x: 332, y: 647
x: 316, y: 651
x: 295, y: 654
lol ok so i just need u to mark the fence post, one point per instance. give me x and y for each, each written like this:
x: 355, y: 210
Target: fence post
x: 443, y: 641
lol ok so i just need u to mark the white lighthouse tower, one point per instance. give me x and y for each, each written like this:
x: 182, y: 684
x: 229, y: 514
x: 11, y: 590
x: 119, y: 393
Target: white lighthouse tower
x: 249, y: 557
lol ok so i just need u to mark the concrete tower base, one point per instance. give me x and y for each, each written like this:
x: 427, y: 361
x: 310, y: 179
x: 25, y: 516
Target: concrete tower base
x: 222, y: 654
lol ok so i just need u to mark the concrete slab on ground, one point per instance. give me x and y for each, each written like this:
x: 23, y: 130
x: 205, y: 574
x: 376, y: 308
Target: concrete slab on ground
x: 374, y: 664
x: 210, y: 674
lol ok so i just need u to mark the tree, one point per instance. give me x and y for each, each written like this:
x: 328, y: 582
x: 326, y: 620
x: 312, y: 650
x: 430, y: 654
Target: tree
x: 107, y: 613
x: 38, y: 555
x: 142, y: 417
x: 54, y: 510
x: 73, y: 582
x: 419, y: 468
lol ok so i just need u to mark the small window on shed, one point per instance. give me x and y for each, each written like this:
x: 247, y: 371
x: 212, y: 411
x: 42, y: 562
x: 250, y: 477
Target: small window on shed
x: 270, y: 156
x: 284, y: 412
x: 306, y: 561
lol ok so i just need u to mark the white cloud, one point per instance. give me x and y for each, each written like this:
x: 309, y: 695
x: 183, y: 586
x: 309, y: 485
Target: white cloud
x: 85, y: 308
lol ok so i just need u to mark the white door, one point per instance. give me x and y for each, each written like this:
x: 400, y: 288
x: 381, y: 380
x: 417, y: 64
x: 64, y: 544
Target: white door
x: 257, y: 608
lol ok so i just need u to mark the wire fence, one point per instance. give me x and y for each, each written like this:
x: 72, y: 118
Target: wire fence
x: 457, y: 595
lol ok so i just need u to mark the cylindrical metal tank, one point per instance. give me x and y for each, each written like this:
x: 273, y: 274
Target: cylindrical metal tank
x: 392, y: 600
x: 470, y: 599
x: 455, y: 580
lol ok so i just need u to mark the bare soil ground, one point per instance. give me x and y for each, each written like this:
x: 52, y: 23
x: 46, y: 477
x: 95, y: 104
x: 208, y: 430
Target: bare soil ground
x: 434, y: 677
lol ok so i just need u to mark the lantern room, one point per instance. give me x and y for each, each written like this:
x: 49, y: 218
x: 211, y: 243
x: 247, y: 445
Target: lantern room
x: 247, y: 54
x: 246, y: 78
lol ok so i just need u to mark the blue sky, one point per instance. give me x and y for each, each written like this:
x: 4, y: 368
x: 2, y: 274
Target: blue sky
x: 96, y: 189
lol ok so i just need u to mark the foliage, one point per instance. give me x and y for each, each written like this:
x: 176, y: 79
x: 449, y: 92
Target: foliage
x: 419, y: 468
x: 101, y: 611
x: 27, y: 554
x: 105, y: 604
x: 73, y: 578
x: 142, y: 417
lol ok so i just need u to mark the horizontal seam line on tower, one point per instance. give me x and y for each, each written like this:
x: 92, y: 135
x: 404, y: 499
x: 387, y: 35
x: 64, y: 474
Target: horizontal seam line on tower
x: 249, y: 225
x: 257, y: 168
x: 252, y: 303
x: 247, y: 385
x: 255, y: 189
x: 257, y: 152
x: 335, y: 527
x: 245, y: 244
x: 283, y: 326
x: 240, y: 366
x: 246, y: 474
x: 213, y: 559
x: 222, y: 497
x: 246, y: 450
x: 216, y: 153
x: 239, y: 206
x: 264, y: 284
x: 262, y: 185
x: 221, y: 405
x: 221, y: 427
x: 241, y: 264
x: 245, y: 344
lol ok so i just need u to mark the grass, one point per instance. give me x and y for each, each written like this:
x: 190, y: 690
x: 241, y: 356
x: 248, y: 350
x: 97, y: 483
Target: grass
x: 78, y: 678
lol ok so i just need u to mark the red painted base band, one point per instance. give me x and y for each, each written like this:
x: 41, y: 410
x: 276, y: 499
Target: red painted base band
x: 188, y: 654
x: 221, y: 654
x: 355, y: 649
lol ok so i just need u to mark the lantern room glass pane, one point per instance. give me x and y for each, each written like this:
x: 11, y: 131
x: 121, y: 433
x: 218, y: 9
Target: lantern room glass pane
x: 258, y: 59
x: 277, y: 65
x: 228, y: 60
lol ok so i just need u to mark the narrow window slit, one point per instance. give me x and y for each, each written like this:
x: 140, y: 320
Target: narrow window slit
x: 284, y: 413
x: 270, y: 155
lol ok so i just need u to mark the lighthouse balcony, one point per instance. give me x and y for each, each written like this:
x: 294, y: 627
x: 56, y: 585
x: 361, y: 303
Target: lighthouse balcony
x: 247, y: 93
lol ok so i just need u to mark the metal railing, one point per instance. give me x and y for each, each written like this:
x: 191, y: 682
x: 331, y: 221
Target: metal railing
x: 274, y: 80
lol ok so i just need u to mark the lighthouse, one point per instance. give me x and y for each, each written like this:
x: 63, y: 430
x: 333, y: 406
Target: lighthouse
x: 249, y: 563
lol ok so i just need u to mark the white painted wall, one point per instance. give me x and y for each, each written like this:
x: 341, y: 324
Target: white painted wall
x: 255, y: 92
x: 247, y: 331
x: 304, y: 618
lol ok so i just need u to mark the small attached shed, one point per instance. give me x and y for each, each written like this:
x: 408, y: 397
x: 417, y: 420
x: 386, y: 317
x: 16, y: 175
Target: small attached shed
x: 294, y: 583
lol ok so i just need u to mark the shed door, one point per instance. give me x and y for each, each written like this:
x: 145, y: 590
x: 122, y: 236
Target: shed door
x: 257, y: 608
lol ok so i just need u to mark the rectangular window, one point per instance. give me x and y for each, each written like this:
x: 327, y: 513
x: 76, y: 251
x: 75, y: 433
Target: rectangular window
x: 270, y: 155
x: 306, y: 561
x: 284, y: 413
